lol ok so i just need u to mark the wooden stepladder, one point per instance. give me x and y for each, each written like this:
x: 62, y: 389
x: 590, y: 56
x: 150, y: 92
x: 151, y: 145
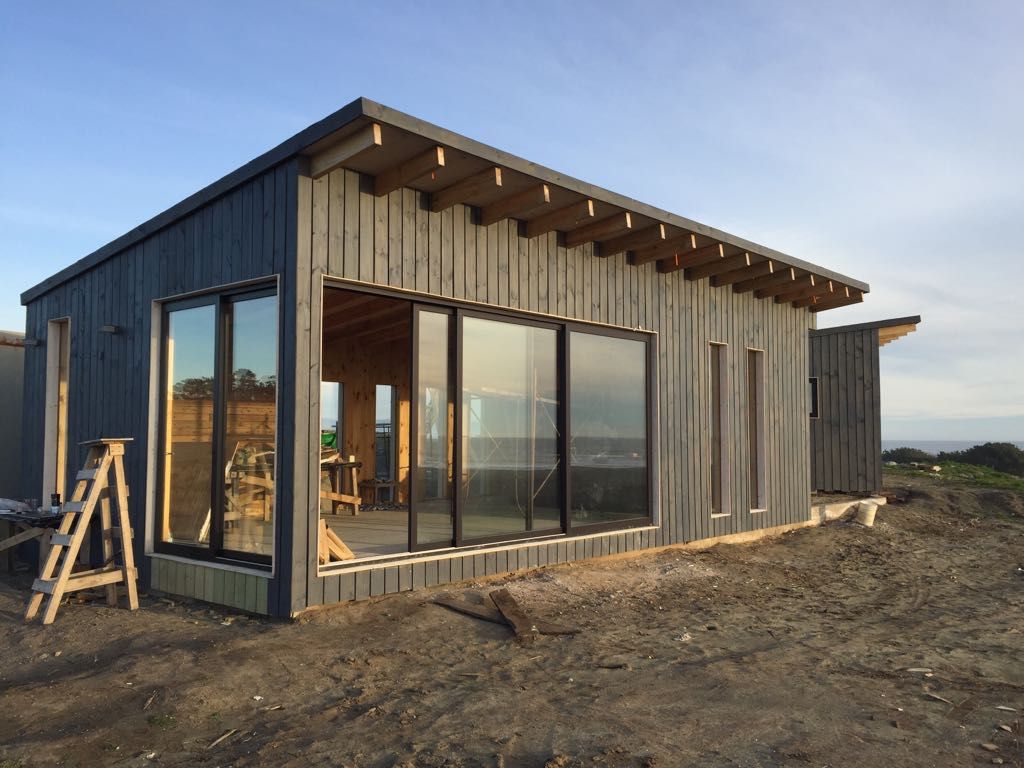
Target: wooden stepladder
x: 92, y: 488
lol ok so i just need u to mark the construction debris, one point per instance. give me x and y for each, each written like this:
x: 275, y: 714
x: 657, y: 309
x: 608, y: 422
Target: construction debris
x: 499, y: 607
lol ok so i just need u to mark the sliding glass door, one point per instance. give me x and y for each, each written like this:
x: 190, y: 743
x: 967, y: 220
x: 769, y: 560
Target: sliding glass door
x: 219, y: 427
x: 511, y: 467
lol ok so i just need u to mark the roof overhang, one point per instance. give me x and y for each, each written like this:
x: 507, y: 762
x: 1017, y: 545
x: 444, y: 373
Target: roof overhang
x: 398, y: 150
x: 888, y: 330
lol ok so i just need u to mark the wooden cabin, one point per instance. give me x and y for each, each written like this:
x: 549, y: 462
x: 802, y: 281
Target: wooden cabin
x: 384, y: 356
x: 846, y: 404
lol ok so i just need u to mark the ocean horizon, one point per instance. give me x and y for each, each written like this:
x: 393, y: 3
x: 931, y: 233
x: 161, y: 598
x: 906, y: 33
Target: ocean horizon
x: 936, y: 446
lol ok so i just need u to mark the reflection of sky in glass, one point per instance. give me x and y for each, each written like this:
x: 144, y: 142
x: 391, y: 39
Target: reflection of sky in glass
x: 191, y: 331
x: 609, y: 395
x: 255, y: 336
x: 329, y: 391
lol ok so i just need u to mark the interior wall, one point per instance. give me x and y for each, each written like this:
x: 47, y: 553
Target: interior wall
x: 361, y: 363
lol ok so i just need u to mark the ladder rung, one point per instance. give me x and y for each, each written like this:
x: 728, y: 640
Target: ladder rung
x: 86, y: 474
x: 73, y: 506
x: 61, y: 539
x: 83, y: 580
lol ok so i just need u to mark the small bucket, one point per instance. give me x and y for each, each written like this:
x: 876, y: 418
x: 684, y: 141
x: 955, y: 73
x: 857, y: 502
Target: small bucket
x: 866, y: 513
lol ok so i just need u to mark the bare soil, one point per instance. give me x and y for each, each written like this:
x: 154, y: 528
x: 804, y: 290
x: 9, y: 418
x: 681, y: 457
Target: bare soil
x: 832, y: 646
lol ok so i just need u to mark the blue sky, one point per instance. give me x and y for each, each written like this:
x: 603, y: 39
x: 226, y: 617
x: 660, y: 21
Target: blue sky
x: 882, y: 140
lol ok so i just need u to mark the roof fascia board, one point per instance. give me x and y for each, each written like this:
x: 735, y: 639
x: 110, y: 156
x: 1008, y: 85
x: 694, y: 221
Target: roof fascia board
x: 879, y: 324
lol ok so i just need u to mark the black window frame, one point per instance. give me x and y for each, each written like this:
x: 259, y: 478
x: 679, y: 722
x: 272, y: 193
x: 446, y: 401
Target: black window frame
x: 564, y: 329
x: 223, y: 302
x: 814, y: 384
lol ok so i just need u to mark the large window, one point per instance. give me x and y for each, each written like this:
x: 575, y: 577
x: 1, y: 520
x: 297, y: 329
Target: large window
x: 510, y: 407
x: 508, y: 427
x: 609, y: 429
x: 218, y: 426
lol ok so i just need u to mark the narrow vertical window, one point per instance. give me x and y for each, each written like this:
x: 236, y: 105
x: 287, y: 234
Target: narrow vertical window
x: 755, y: 427
x: 718, y: 427
x: 432, y: 470
x: 812, y: 386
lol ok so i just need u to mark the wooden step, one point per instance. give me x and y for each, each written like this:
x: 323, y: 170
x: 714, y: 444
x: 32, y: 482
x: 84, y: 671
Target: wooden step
x: 60, y: 539
x: 83, y: 580
x: 73, y: 506
x: 86, y: 474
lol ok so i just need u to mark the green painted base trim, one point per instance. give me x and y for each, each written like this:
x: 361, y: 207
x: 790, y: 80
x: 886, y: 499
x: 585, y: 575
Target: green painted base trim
x: 232, y: 587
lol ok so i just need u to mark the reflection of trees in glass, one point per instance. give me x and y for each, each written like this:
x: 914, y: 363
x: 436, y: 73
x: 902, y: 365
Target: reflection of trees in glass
x: 245, y: 385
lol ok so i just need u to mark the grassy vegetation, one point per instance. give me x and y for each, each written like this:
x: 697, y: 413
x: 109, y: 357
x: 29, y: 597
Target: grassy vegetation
x: 963, y: 474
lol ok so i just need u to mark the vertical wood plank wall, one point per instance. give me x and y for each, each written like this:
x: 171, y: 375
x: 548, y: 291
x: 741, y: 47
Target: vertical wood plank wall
x: 284, y: 224
x: 239, y: 236
x: 846, y: 439
x: 395, y: 241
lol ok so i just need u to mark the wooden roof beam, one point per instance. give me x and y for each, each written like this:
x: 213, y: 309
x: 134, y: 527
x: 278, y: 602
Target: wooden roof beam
x: 802, y: 281
x: 466, y: 189
x: 707, y: 254
x: 719, y: 266
x: 631, y: 240
x: 785, y: 276
x: 339, y: 154
x: 563, y: 218
x: 516, y: 204
x: 841, y: 292
x: 405, y: 173
x: 819, y: 287
x: 679, y: 245
x: 757, y: 269
x: 855, y: 297
x: 599, y: 230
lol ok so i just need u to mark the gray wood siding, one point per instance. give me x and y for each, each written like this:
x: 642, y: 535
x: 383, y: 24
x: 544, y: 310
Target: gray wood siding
x: 239, y: 236
x: 846, y: 439
x: 346, y: 232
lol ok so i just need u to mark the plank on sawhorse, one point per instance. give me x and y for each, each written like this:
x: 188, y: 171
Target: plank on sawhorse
x: 92, y: 488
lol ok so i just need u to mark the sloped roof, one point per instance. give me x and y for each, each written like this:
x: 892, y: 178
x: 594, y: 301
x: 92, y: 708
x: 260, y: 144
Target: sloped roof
x: 398, y: 150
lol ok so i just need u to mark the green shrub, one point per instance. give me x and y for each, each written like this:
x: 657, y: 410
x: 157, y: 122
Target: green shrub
x: 1003, y: 457
x: 907, y: 455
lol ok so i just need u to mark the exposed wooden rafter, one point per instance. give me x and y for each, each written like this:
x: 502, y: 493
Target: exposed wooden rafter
x: 757, y: 269
x: 802, y: 281
x: 516, y: 205
x: 819, y: 287
x: 711, y: 268
x: 466, y: 189
x: 697, y: 257
x: 784, y: 276
x: 681, y: 244
x: 599, y: 230
x: 345, y: 150
x: 405, y: 173
x: 567, y: 217
x: 854, y: 297
x: 634, y: 239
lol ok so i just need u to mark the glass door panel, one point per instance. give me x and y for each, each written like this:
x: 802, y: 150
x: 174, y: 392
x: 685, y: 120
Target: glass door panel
x: 511, y: 472
x: 432, y: 466
x: 186, y: 514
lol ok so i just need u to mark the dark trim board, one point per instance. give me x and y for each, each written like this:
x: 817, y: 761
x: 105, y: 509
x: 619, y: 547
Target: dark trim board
x: 874, y: 325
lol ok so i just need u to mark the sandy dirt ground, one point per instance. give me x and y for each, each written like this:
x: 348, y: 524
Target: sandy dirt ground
x: 900, y: 645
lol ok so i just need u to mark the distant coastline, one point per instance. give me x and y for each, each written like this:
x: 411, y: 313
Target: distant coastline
x: 935, y: 446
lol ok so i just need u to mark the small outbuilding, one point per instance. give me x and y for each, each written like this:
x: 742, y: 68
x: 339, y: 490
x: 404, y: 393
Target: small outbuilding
x: 846, y: 404
x: 383, y: 356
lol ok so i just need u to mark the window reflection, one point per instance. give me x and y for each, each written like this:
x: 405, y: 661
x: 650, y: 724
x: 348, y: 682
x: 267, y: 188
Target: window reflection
x: 608, y: 429
x: 250, y: 427
x: 510, y: 433
x: 188, y: 426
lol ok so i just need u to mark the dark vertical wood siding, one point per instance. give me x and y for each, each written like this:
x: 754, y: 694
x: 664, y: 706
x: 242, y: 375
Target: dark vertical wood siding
x: 846, y: 439
x: 397, y: 242
x: 239, y: 236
